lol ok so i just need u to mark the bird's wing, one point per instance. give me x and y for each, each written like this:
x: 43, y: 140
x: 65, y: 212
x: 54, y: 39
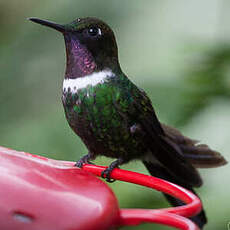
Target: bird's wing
x: 199, y: 155
x: 163, y: 149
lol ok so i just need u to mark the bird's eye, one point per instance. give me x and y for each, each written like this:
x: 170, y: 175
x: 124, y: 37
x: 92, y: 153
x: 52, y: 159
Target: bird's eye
x: 94, y: 31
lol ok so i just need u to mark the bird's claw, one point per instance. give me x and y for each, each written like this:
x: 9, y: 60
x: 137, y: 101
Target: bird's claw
x: 79, y: 163
x: 106, y: 174
x: 83, y: 160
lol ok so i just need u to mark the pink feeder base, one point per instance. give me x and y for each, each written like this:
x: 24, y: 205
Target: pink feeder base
x: 38, y: 193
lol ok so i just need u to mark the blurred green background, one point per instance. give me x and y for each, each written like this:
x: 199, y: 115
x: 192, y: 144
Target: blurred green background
x: 178, y: 51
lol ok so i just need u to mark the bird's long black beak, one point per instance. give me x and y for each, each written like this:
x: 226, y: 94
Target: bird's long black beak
x: 58, y: 27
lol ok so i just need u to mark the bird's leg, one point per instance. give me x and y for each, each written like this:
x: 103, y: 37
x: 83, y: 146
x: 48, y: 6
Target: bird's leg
x: 106, y: 173
x: 85, y: 160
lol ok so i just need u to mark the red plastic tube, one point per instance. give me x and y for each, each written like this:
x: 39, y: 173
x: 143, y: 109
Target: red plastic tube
x: 175, y: 216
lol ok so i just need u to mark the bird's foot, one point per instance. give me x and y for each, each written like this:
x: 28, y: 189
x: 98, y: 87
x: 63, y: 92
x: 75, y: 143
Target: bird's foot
x: 107, y: 172
x: 84, y: 160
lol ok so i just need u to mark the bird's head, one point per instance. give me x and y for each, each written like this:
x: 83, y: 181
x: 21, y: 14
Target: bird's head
x: 90, y: 46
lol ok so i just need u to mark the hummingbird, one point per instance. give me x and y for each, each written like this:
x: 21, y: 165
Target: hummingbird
x: 116, y: 118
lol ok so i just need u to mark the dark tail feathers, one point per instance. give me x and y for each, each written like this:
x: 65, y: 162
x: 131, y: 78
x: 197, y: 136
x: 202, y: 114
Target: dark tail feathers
x: 159, y: 171
x: 200, y: 219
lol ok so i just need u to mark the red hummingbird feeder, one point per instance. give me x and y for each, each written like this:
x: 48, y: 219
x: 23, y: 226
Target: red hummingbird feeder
x: 39, y: 193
